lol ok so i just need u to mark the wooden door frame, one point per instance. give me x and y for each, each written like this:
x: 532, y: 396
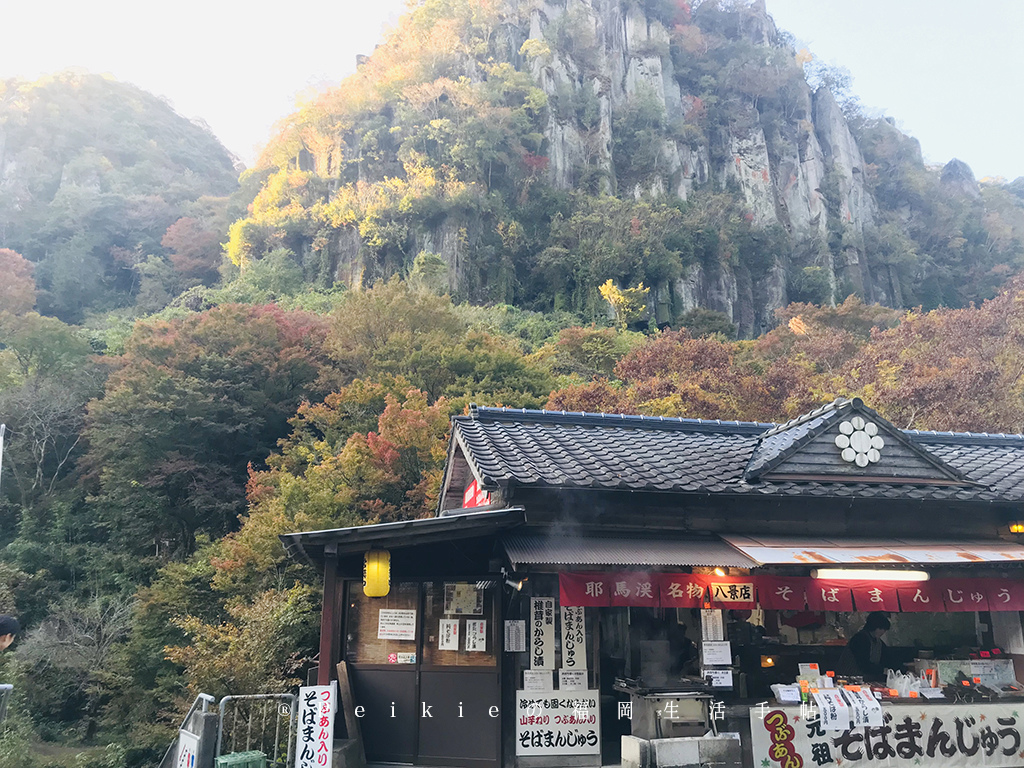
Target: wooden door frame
x: 339, y: 596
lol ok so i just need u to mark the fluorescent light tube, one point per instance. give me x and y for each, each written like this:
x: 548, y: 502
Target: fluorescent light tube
x: 860, y: 574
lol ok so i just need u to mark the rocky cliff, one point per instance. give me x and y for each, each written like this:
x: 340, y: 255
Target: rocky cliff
x: 653, y: 101
x: 779, y: 167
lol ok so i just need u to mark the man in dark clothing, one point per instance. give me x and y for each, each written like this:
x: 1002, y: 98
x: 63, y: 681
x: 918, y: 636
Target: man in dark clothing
x: 9, y: 627
x: 865, y: 653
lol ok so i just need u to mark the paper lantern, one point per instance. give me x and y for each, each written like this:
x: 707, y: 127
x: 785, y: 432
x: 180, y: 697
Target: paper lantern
x: 377, y: 573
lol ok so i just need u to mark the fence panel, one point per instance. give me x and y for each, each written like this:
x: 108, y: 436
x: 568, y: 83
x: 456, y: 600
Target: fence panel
x: 263, y: 722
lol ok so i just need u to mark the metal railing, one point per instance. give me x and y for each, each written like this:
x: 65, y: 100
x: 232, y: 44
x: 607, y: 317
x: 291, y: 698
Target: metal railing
x: 251, y: 721
x: 203, y: 700
x: 5, y: 696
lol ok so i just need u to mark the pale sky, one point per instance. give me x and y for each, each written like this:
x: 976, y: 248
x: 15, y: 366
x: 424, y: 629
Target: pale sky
x: 948, y: 71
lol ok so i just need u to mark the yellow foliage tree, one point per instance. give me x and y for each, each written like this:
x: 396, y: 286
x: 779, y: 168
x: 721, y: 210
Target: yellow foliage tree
x: 628, y: 303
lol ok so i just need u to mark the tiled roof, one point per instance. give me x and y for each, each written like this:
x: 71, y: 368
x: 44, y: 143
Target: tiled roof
x: 785, y: 440
x: 605, y: 451
x: 782, y: 440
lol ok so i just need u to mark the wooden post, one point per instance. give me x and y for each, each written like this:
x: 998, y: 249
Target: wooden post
x: 329, y: 618
x: 348, y: 706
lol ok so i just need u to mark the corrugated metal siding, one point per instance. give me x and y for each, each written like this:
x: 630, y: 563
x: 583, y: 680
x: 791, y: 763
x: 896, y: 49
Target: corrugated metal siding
x: 593, y: 550
x: 792, y: 550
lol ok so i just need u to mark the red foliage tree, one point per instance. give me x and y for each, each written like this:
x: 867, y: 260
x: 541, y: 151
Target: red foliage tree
x: 17, y: 288
x: 195, y: 249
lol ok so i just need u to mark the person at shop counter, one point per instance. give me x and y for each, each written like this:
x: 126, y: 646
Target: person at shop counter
x: 865, y: 653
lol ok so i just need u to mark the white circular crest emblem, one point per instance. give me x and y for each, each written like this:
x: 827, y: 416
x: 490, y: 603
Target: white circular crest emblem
x: 859, y: 442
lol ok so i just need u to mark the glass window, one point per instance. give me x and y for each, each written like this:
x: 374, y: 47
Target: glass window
x: 383, y: 630
x: 471, y: 608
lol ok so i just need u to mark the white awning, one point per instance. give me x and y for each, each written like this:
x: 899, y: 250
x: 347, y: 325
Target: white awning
x: 561, y: 549
x: 797, y: 550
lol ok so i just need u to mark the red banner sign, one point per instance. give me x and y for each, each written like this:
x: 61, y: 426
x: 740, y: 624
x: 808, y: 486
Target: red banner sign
x: 826, y: 595
x: 733, y: 592
x: 683, y: 590
x: 875, y: 595
x: 636, y: 589
x: 1004, y: 594
x: 781, y: 593
x: 918, y: 596
x: 584, y: 589
x: 695, y: 590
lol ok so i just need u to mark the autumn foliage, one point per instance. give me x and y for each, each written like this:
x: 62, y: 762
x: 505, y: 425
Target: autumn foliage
x: 17, y: 288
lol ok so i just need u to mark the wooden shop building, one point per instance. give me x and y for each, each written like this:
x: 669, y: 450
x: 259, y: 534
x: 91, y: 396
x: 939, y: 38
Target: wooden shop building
x: 579, y: 563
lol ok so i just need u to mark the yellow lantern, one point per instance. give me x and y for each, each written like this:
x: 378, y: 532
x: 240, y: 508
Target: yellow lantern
x: 377, y: 573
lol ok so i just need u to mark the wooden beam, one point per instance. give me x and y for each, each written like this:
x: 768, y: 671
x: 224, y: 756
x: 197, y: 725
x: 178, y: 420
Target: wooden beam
x: 329, y: 618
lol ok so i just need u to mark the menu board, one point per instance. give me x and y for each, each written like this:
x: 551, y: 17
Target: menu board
x: 720, y: 678
x: 572, y: 679
x: 717, y: 653
x: 537, y: 680
x: 515, y: 635
x: 712, y: 625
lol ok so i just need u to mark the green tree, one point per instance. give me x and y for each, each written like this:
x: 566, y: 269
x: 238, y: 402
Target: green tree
x: 194, y: 402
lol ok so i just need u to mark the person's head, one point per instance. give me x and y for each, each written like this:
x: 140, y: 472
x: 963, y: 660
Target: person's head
x: 877, y: 624
x: 9, y: 627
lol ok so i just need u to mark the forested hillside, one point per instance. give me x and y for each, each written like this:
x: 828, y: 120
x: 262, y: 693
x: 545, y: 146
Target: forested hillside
x: 191, y: 364
x: 93, y: 173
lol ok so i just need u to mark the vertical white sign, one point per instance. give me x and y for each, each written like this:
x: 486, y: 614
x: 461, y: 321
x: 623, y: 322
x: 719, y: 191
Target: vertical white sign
x: 574, y: 638
x: 314, y: 741
x: 448, y: 635
x: 542, y: 633
x: 476, y: 635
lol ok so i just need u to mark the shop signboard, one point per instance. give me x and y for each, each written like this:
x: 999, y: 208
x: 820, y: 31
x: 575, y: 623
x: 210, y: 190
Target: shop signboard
x: 938, y: 735
x: 314, y: 738
x: 733, y: 592
x: 558, y: 723
x: 574, y: 638
x: 694, y: 590
x: 635, y: 589
x: 542, y: 633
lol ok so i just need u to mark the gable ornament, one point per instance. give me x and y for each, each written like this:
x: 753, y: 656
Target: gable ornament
x: 859, y: 442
